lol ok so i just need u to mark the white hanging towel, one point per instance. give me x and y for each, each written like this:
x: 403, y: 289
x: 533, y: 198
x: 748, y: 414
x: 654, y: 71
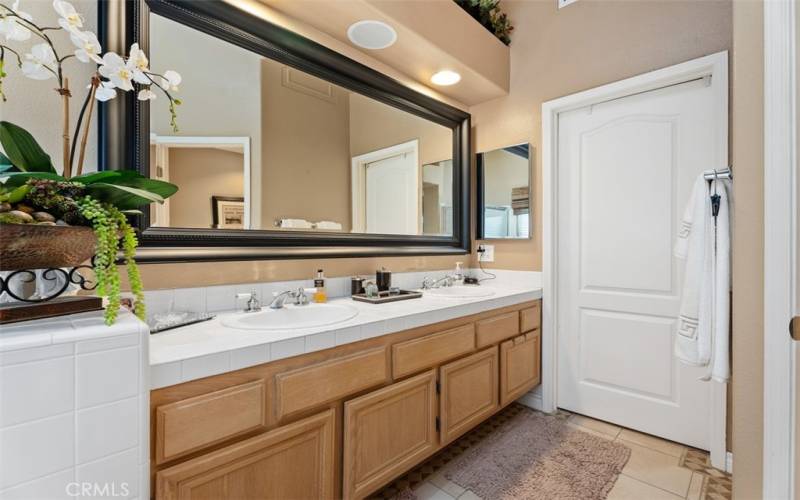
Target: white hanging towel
x: 703, y: 323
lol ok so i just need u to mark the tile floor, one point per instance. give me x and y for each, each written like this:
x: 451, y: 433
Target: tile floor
x: 657, y: 469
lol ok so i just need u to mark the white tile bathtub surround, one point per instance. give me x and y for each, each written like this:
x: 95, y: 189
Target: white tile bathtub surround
x: 74, y: 397
x: 209, y: 348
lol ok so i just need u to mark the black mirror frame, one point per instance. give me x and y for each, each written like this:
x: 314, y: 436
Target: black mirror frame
x: 124, y: 137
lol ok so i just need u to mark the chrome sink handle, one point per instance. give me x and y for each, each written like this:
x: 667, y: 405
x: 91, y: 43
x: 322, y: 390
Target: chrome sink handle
x: 253, y: 305
x: 300, y: 297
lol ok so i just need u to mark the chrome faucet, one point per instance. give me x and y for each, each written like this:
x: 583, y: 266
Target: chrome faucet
x: 253, y: 305
x: 429, y: 283
x: 279, y: 299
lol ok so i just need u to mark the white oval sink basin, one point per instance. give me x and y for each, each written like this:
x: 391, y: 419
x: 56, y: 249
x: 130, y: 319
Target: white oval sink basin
x: 292, y: 317
x: 461, y: 292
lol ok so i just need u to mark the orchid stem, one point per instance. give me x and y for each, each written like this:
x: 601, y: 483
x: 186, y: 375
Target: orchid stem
x: 78, y: 128
x: 64, y: 91
x: 85, y: 137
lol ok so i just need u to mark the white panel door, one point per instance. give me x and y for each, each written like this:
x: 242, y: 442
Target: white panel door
x: 625, y: 169
x: 392, y: 195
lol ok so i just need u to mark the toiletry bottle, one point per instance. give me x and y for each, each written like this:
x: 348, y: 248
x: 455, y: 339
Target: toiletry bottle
x: 320, y: 295
x: 458, y: 274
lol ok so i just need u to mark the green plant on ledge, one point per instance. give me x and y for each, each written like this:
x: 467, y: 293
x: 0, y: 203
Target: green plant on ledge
x: 488, y: 13
x: 33, y: 192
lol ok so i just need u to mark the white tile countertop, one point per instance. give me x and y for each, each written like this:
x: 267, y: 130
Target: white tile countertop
x: 210, y: 348
x: 65, y: 329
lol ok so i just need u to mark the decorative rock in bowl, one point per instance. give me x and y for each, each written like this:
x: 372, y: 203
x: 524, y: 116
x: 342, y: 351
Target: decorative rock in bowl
x: 31, y: 246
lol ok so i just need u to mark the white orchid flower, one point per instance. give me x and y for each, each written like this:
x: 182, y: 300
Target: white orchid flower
x: 70, y: 19
x: 39, y: 64
x: 12, y: 28
x: 105, y: 92
x: 146, y: 95
x: 138, y: 64
x: 171, y: 80
x: 115, y: 69
x: 138, y: 58
x: 88, y: 47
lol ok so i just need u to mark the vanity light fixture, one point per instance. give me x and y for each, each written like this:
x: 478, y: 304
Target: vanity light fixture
x: 371, y: 34
x: 445, y: 77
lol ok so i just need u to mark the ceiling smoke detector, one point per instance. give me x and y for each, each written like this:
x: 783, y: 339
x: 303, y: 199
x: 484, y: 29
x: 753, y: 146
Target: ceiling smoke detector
x: 372, y: 34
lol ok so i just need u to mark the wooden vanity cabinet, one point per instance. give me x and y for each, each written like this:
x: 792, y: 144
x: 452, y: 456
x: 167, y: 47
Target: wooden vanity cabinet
x: 293, y: 461
x: 388, y: 431
x: 468, y: 393
x: 520, y: 366
x: 342, y: 422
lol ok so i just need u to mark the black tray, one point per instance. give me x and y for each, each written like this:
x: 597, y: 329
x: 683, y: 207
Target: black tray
x: 384, y: 297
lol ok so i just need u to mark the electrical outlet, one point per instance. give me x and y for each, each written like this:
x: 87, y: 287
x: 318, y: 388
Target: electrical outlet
x: 486, y: 253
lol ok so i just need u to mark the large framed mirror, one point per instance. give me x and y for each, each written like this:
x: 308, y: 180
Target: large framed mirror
x: 504, y: 193
x: 284, y: 147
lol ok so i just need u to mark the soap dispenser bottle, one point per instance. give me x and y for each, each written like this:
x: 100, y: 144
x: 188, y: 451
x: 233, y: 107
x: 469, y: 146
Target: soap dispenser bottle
x: 321, y: 295
x: 458, y: 274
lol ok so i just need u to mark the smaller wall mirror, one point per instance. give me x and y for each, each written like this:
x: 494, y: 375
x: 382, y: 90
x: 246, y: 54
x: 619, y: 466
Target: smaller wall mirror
x: 504, y: 193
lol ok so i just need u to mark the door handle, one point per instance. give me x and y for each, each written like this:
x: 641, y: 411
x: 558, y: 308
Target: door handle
x: 794, y: 328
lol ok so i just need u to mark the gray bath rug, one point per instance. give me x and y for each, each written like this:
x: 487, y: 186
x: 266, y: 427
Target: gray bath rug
x: 533, y: 456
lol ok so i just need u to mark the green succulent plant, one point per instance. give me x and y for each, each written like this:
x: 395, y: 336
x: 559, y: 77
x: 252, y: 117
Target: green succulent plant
x: 488, y: 13
x: 100, y: 200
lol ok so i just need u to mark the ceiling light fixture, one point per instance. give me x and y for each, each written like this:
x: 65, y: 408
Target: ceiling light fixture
x: 372, y: 34
x: 445, y: 77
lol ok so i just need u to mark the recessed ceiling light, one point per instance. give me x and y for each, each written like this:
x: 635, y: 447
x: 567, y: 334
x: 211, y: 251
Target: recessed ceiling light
x: 446, y: 77
x: 371, y: 34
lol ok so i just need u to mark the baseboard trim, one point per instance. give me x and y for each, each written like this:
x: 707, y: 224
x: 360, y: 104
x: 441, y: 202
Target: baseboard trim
x: 532, y: 400
x: 729, y: 463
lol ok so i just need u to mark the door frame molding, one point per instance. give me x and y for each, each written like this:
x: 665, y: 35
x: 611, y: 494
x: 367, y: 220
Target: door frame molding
x: 358, y: 179
x: 780, y: 209
x: 714, y: 66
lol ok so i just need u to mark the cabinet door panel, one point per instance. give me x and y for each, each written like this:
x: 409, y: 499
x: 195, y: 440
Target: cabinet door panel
x: 294, y: 461
x: 388, y: 431
x: 469, y: 393
x: 520, y: 366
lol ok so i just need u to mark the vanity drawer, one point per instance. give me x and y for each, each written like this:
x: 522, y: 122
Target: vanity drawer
x: 493, y: 330
x: 417, y: 354
x: 530, y: 318
x: 195, y: 423
x: 315, y: 385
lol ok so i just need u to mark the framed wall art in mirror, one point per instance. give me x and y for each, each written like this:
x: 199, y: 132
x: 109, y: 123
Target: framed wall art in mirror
x: 329, y: 157
x: 504, y: 193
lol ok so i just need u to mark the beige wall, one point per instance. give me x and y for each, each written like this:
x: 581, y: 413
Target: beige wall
x: 592, y: 42
x: 202, y: 173
x: 503, y: 172
x: 748, y: 256
x: 374, y: 126
x: 306, y: 169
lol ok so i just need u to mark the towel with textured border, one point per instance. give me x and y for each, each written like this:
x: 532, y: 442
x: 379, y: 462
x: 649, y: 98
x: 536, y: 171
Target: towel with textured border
x: 704, y: 242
